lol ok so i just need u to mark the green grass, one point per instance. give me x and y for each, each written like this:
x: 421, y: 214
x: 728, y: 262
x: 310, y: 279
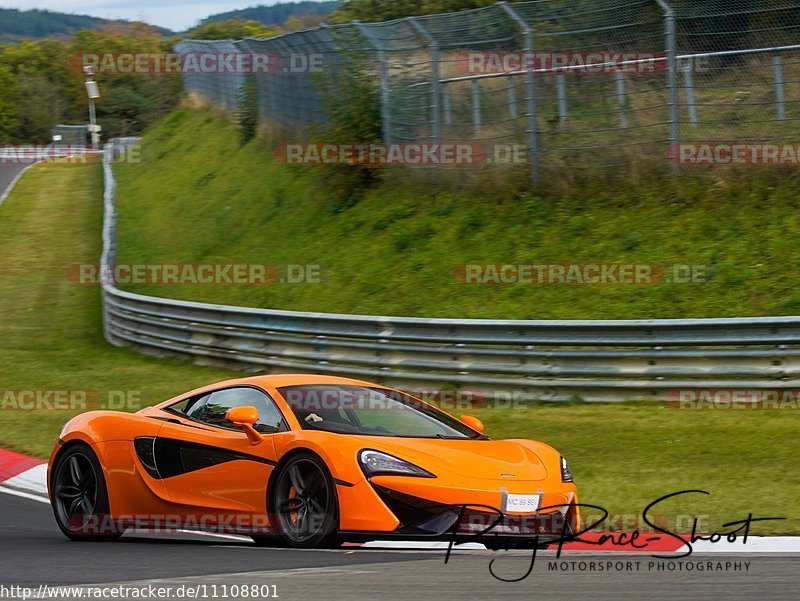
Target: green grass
x: 627, y: 455
x: 51, y: 328
x: 199, y: 197
x: 623, y: 456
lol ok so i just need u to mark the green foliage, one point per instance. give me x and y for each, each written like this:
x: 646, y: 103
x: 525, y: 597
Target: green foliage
x: 17, y: 24
x: 247, y: 111
x: 42, y: 23
x: 232, y: 29
x: 8, y: 114
x: 385, y: 10
x: 354, y: 117
x: 46, y: 86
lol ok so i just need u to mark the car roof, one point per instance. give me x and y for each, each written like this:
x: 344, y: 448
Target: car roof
x: 280, y: 380
x: 270, y: 381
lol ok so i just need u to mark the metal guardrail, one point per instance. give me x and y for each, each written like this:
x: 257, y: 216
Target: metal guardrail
x: 524, y: 360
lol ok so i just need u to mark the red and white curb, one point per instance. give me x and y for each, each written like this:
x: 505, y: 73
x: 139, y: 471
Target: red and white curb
x: 26, y: 477
x: 23, y: 476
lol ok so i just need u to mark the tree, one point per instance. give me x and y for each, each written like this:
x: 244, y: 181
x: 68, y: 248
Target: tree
x: 233, y: 29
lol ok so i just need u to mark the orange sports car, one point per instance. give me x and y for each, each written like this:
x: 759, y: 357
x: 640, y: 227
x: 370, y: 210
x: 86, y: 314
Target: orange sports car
x: 306, y: 461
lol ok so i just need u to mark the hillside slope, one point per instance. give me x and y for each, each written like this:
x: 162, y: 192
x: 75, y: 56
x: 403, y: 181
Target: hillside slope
x: 36, y: 23
x: 200, y: 198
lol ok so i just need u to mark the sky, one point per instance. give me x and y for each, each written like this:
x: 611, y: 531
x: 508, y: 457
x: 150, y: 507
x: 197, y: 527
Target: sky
x: 177, y: 15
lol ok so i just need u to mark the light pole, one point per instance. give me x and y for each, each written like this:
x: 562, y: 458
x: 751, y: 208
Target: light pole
x: 92, y: 92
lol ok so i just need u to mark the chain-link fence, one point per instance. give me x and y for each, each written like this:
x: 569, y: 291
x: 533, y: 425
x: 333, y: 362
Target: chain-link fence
x: 70, y: 135
x: 552, y: 84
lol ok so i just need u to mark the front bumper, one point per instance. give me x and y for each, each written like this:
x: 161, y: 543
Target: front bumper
x: 428, y: 509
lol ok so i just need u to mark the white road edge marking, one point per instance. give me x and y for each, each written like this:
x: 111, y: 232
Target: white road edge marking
x: 24, y: 495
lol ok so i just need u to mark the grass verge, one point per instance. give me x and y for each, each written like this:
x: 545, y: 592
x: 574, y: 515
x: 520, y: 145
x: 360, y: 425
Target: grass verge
x: 51, y: 327
x: 623, y: 456
x: 199, y: 197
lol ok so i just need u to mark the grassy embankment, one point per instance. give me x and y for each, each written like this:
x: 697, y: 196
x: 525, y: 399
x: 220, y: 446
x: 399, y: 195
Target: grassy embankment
x: 624, y: 456
x: 199, y: 197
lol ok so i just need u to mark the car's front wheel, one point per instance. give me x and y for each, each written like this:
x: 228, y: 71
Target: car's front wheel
x: 304, y: 503
x: 80, y: 497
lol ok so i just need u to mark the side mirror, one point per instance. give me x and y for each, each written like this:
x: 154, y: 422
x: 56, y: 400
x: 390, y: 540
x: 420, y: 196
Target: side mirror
x: 473, y: 422
x: 245, y: 418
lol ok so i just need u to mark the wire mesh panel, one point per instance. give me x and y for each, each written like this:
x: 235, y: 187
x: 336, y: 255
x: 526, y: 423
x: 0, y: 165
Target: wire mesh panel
x: 740, y: 80
x: 601, y: 86
x: 70, y: 135
x: 552, y: 84
x: 213, y: 70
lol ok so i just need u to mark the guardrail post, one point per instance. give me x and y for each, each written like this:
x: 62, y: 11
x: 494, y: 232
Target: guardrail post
x: 530, y: 85
x: 670, y: 42
x: 780, y: 91
x: 436, y: 117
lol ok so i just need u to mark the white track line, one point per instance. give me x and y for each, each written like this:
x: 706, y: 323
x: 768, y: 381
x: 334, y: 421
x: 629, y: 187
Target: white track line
x: 24, y: 495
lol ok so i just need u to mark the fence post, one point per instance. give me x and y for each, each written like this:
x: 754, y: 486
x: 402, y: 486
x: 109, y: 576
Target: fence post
x: 670, y: 43
x: 688, y: 87
x: 447, y: 106
x: 476, y: 106
x: 436, y: 117
x: 512, y: 97
x: 530, y: 84
x: 780, y: 92
x: 385, y: 90
x: 561, y: 96
x: 622, y: 101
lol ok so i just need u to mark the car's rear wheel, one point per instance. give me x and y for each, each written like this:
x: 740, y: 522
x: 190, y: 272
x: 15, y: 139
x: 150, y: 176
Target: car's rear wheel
x: 304, y: 503
x: 80, y: 496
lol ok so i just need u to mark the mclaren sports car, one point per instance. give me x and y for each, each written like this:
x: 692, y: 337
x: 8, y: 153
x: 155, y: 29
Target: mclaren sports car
x: 306, y: 461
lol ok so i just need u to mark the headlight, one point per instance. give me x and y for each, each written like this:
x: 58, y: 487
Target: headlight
x: 566, y: 473
x: 374, y: 463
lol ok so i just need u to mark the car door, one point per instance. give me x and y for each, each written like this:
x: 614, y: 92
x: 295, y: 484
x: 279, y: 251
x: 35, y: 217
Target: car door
x: 208, y: 463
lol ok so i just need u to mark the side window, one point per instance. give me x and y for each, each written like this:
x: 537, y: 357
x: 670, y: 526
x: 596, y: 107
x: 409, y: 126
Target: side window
x: 185, y: 405
x: 212, y: 408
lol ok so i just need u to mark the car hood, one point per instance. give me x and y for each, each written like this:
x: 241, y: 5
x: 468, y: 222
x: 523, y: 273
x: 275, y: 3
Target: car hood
x: 478, y: 459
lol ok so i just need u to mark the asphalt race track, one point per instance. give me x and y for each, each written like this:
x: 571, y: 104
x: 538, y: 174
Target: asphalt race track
x: 33, y: 552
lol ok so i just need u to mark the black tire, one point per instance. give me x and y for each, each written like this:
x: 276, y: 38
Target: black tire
x: 304, y: 505
x: 80, y: 497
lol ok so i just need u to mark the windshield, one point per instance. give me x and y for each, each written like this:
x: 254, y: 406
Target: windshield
x: 370, y: 411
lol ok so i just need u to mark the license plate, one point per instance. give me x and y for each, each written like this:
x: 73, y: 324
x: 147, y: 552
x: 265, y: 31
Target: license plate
x: 521, y: 503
